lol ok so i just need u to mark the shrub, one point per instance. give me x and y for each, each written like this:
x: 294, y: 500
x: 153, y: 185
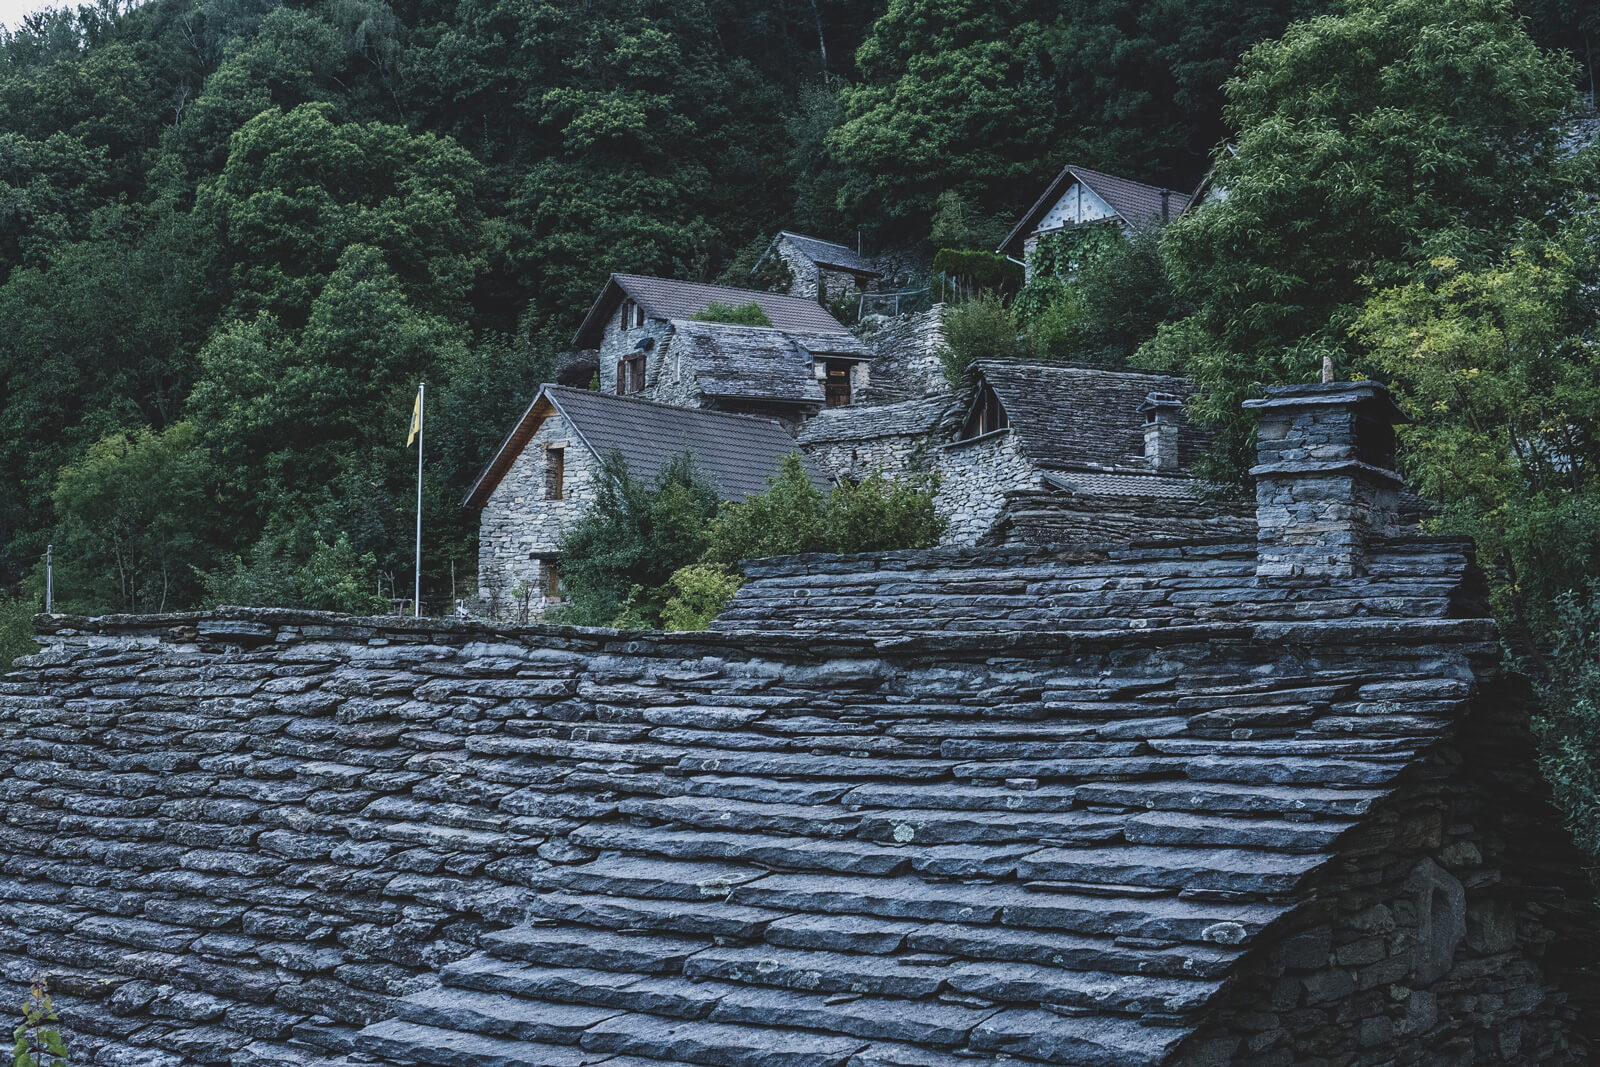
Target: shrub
x: 35, y: 1044
x: 984, y: 328
x: 618, y: 556
x: 973, y: 271
x: 296, y: 569
x: 16, y: 629
x: 749, y: 314
x: 791, y: 516
x: 881, y: 514
x: 1568, y: 727
x: 698, y: 591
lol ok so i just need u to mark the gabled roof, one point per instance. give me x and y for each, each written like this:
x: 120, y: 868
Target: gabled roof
x: 1136, y: 203
x: 826, y: 254
x: 735, y: 453
x: 665, y: 298
x: 1070, y: 416
x: 1058, y: 845
x: 757, y: 362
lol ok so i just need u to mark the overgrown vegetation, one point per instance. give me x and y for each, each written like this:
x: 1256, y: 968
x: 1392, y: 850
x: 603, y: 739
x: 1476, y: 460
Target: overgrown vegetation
x: 748, y: 314
x: 666, y: 554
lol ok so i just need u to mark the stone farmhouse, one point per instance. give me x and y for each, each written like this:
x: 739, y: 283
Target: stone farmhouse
x: 1079, y: 196
x: 1268, y: 802
x: 545, y: 474
x: 1038, y: 453
x: 651, y: 346
x: 822, y: 270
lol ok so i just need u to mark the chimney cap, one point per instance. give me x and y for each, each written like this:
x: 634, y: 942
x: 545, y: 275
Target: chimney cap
x: 1161, y: 402
x: 1331, y: 394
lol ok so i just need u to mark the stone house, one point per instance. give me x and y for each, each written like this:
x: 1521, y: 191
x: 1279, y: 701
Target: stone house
x: 1079, y: 197
x: 544, y: 475
x: 821, y: 270
x: 650, y: 345
x: 1038, y: 452
x: 1267, y: 803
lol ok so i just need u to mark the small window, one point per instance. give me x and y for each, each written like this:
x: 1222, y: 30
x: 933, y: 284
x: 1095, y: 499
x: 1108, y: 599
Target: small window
x: 632, y: 315
x: 552, y: 580
x: 635, y: 372
x: 555, y: 464
x: 988, y: 415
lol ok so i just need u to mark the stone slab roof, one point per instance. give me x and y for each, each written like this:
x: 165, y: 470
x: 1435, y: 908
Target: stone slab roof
x: 667, y: 298
x: 1060, y: 854
x: 830, y: 254
x: 758, y: 362
x: 1137, y: 203
x: 907, y: 418
x: 1071, y: 416
x: 736, y: 453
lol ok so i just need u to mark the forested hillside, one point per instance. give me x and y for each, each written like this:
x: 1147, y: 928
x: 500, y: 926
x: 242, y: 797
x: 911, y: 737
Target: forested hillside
x: 234, y: 234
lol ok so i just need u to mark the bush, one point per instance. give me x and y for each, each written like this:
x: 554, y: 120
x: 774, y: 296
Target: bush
x: 698, y: 591
x: 973, y: 271
x: 619, y: 555
x: 1568, y: 727
x: 881, y: 514
x: 297, y: 570
x: 791, y: 516
x: 984, y: 328
x: 749, y: 314
x: 16, y: 629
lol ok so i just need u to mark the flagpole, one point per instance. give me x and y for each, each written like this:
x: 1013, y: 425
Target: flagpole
x: 417, y: 592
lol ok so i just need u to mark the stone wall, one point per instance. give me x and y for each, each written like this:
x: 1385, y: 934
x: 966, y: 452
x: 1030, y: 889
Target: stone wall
x: 617, y: 343
x: 518, y: 528
x: 975, y: 477
x: 906, y: 364
x: 1422, y: 946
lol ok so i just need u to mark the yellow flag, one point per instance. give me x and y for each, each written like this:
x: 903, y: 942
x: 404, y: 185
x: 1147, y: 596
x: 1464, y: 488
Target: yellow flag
x: 416, y: 419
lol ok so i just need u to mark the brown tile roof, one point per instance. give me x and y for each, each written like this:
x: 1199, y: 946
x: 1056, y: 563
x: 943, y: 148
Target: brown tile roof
x: 1136, y: 203
x: 666, y: 298
x: 735, y: 453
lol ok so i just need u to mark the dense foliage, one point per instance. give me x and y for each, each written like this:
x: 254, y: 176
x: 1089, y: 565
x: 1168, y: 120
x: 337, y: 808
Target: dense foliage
x: 240, y: 231
x: 665, y: 554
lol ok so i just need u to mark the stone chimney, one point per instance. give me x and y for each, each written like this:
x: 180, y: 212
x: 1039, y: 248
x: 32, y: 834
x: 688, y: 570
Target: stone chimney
x: 1161, y: 414
x: 1325, y: 481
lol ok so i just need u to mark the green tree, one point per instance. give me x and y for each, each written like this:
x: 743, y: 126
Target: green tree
x: 1500, y: 372
x: 1368, y: 143
x: 133, y: 519
x: 618, y: 556
x: 954, y: 95
x: 983, y: 328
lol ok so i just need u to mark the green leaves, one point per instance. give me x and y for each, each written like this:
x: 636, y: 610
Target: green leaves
x: 35, y: 1044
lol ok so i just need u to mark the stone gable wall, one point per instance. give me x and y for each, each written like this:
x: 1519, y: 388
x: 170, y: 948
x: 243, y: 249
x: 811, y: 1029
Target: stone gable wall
x: 617, y: 343
x: 974, y: 481
x: 1425, y: 945
x: 518, y: 527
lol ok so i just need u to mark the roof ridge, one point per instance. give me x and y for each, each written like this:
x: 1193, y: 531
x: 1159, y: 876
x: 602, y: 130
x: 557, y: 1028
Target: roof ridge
x: 708, y: 412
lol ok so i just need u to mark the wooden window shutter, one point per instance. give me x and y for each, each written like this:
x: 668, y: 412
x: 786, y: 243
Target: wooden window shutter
x: 622, y: 376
